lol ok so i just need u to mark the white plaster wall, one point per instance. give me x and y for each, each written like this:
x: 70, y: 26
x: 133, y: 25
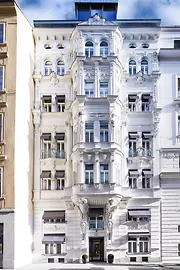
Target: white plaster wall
x: 23, y: 142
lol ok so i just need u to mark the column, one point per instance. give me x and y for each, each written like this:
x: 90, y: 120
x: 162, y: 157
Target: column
x: 96, y: 131
x: 112, y: 179
x: 37, y: 153
x: 53, y: 103
x: 139, y: 102
x: 96, y: 80
x: 97, y: 169
x: 81, y: 170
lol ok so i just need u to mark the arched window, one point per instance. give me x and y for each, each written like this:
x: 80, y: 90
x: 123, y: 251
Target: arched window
x: 47, y: 68
x: 60, y: 68
x: 144, y: 66
x: 132, y: 67
x: 104, y: 48
x: 89, y: 49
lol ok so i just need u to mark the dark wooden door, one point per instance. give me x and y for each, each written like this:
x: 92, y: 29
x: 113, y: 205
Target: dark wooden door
x: 96, y: 249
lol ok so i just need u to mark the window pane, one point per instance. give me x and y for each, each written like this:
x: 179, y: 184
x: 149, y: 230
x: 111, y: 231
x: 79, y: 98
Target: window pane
x: 1, y: 78
x: 1, y: 33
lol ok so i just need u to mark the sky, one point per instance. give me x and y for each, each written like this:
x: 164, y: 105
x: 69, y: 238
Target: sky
x: 166, y: 10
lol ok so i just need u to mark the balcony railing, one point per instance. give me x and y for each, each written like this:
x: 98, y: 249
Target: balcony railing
x: 138, y: 226
x: 53, y: 154
x: 96, y: 225
x: 140, y: 152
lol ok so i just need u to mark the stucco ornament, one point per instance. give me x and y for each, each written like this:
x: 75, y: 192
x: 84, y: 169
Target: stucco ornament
x: 155, y: 62
x: 112, y: 205
x: 53, y: 78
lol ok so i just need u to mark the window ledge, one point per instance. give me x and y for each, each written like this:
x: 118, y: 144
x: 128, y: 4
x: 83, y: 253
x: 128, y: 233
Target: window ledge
x: 3, y: 91
x: 3, y: 44
x: 54, y: 255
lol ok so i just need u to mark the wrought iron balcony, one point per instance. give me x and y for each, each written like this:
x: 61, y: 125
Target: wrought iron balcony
x: 53, y: 154
x: 140, y: 152
x: 138, y: 226
x: 96, y: 224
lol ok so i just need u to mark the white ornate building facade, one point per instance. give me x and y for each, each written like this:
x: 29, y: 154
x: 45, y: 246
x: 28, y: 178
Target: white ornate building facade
x: 107, y: 127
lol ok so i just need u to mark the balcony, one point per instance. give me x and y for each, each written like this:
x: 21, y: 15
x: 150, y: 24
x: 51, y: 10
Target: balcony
x: 96, y: 224
x: 138, y: 226
x: 53, y: 154
x: 54, y: 227
x: 140, y: 152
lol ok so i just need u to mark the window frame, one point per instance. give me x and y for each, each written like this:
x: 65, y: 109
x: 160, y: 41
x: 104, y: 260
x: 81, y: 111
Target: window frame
x: 89, y: 91
x: 132, y: 67
x: 146, y: 105
x: 103, y: 91
x: 60, y: 68
x: 3, y: 34
x: 178, y: 125
x: 2, y: 80
x: 104, y: 132
x: 46, y: 149
x: 104, y: 174
x: 1, y: 127
x: 90, y: 173
x: 61, y: 183
x: 144, y: 66
x: 1, y: 181
x: 132, y: 105
x: 89, y: 50
x: 47, y: 68
x: 103, y: 50
x: 48, y: 185
x: 89, y: 133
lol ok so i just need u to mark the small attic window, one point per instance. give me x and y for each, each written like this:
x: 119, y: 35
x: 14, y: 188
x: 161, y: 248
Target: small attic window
x: 145, y: 45
x: 60, y: 47
x: 132, y: 45
x: 47, y: 46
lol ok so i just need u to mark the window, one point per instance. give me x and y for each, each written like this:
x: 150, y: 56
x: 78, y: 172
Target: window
x: 52, y: 249
x: 1, y: 78
x: 46, y: 145
x: 146, y: 103
x: 60, y: 137
x: 1, y: 181
x: 104, y: 174
x: 133, y: 176
x: 83, y: 12
x: 60, y: 184
x: 89, y: 49
x: 89, y: 174
x: 132, y: 67
x: 1, y: 127
x: 46, y: 103
x: 2, y: 33
x: 178, y: 249
x: 138, y: 244
x: 132, y: 244
x: 60, y: 103
x: 132, y: 102
x: 47, y: 46
x: 132, y: 45
x: 178, y: 125
x: 146, y: 144
x: 46, y: 184
x: 60, y: 68
x: 144, y: 259
x: 109, y: 11
x: 178, y: 87
x: 133, y: 144
x: 103, y: 49
x: 103, y: 89
x: 96, y: 8
x: 47, y: 68
x: 89, y: 89
x: 132, y: 259
x: 176, y: 44
x: 178, y: 228
x: 96, y: 223
x: 89, y: 132
x: 144, y: 66
x: 146, y: 178
x: 103, y: 131
x: 143, y: 244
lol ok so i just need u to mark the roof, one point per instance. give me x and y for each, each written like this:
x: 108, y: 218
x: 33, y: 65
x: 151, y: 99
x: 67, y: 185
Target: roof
x: 72, y: 23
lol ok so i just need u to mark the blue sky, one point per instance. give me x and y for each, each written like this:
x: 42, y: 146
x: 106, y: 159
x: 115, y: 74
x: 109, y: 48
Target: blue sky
x: 166, y: 10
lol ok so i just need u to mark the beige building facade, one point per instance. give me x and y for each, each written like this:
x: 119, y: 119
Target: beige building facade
x: 16, y: 135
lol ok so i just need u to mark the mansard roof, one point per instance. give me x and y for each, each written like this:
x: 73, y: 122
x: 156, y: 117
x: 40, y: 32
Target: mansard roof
x: 96, y: 20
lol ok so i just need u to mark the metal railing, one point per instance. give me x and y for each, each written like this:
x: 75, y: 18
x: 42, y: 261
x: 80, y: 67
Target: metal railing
x: 53, y: 154
x: 140, y: 152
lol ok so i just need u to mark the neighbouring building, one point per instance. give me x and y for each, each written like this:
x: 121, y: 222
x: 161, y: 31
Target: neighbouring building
x: 16, y: 136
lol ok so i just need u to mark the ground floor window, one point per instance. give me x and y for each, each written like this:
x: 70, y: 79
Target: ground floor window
x: 54, y: 249
x: 138, y: 244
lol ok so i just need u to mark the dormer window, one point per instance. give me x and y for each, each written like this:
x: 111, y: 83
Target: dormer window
x: 132, y: 67
x: 47, y: 68
x: 47, y: 46
x: 89, y: 49
x: 144, y: 66
x: 60, y: 68
x: 103, y: 49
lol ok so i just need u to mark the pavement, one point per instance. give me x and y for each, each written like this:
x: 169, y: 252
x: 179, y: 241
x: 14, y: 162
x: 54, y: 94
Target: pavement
x: 96, y: 266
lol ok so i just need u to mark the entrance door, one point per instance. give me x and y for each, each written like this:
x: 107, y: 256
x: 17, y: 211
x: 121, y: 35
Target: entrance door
x: 1, y: 245
x: 96, y: 249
